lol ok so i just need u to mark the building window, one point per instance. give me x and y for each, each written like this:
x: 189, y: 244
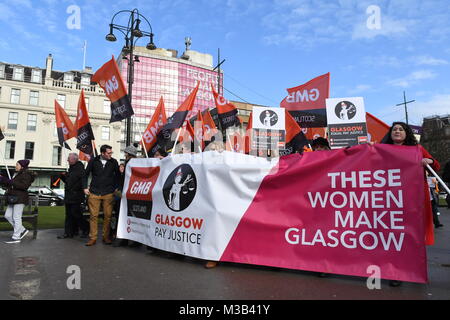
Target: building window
x: 56, y: 159
x: 18, y: 74
x: 106, y: 106
x: 68, y: 77
x: 105, y: 133
x: 31, y: 122
x: 12, y: 120
x: 36, y: 75
x: 61, y: 98
x: 29, y: 150
x: 85, y: 80
x: 34, y: 98
x: 10, y: 149
x: 2, y: 71
x: 15, y: 96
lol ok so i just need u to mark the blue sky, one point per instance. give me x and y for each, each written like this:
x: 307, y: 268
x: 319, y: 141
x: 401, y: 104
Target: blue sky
x: 269, y: 45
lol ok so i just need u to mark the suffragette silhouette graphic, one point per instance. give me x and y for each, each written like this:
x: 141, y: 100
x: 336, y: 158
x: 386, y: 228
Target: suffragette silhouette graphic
x: 177, y: 188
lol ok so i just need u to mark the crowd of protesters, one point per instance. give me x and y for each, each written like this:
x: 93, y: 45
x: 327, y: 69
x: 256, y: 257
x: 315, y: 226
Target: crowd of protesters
x: 103, y: 193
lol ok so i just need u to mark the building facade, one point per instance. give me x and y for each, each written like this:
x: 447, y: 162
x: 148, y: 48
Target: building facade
x: 160, y: 73
x: 27, y: 116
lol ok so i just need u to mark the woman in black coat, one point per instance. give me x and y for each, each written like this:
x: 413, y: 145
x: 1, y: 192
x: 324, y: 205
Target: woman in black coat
x: 17, y: 198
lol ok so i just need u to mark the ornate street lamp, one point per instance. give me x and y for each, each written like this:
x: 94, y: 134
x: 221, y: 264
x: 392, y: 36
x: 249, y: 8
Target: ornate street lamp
x: 132, y: 34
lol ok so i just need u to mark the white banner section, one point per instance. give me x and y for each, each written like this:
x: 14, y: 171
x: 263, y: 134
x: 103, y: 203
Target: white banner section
x: 189, y: 204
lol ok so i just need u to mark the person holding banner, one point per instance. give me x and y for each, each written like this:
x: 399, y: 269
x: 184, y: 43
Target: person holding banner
x: 320, y: 144
x: 130, y: 153
x: 105, y: 181
x: 401, y: 134
x: 17, y: 198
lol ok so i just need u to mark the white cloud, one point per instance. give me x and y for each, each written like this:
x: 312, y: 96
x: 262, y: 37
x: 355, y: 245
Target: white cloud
x: 429, y: 61
x: 413, y: 78
x: 303, y: 23
x: 361, y: 88
x: 389, y: 28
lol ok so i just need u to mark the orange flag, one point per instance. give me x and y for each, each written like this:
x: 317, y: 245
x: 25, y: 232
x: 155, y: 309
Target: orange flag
x: 209, y: 127
x: 157, y: 121
x: 376, y: 128
x: 174, y: 122
x: 226, y: 111
x: 64, y: 126
x: 295, y: 139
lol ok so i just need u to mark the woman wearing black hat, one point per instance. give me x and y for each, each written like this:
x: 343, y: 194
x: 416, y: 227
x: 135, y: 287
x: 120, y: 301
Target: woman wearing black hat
x: 17, y: 198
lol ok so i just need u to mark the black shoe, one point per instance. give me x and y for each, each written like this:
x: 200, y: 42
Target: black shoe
x: 64, y: 236
x: 438, y: 225
x: 394, y: 283
x: 23, y: 234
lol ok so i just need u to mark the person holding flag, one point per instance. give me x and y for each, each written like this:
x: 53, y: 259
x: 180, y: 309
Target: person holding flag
x: 17, y: 198
x: 73, y: 197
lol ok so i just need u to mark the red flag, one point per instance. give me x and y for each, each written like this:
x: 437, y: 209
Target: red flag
x: 64, y: 126
x: 209, y: 127
x: 227, y: 111
x: 307, y: 102
x: 248, y: 134
x: 295, y: 139
x: 83, y: 156
x: 376, y: 128
x: 199, y: 129
x: 313, y: 133
x: 164, y: 139
x: 85, y: 136
x: 157, y: 121
x: 109, y: 78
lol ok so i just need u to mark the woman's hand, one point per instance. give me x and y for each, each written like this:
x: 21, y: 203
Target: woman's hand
x: 426, y: 161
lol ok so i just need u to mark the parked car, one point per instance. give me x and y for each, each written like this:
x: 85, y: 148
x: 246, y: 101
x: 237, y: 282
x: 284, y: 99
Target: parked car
x: 47, y: 196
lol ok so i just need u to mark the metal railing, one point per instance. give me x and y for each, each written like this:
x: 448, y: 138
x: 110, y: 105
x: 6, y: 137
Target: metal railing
x: 59, y: 84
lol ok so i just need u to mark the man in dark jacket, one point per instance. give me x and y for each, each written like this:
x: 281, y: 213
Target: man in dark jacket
x: 73, y: 198
x: 105, y: 181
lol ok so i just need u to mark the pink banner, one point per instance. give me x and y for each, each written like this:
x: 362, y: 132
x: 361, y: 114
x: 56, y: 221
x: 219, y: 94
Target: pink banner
x: 341, y: 212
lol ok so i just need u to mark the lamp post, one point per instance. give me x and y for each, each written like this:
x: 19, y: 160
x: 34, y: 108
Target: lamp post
x: 132, y: 34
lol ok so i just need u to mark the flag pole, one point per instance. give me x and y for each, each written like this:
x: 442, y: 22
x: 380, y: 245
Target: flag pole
x: 94, y: 149
x: 176, y: 140
x: 143, y: 146
x: 6, y: 166
x: 439, y: 179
